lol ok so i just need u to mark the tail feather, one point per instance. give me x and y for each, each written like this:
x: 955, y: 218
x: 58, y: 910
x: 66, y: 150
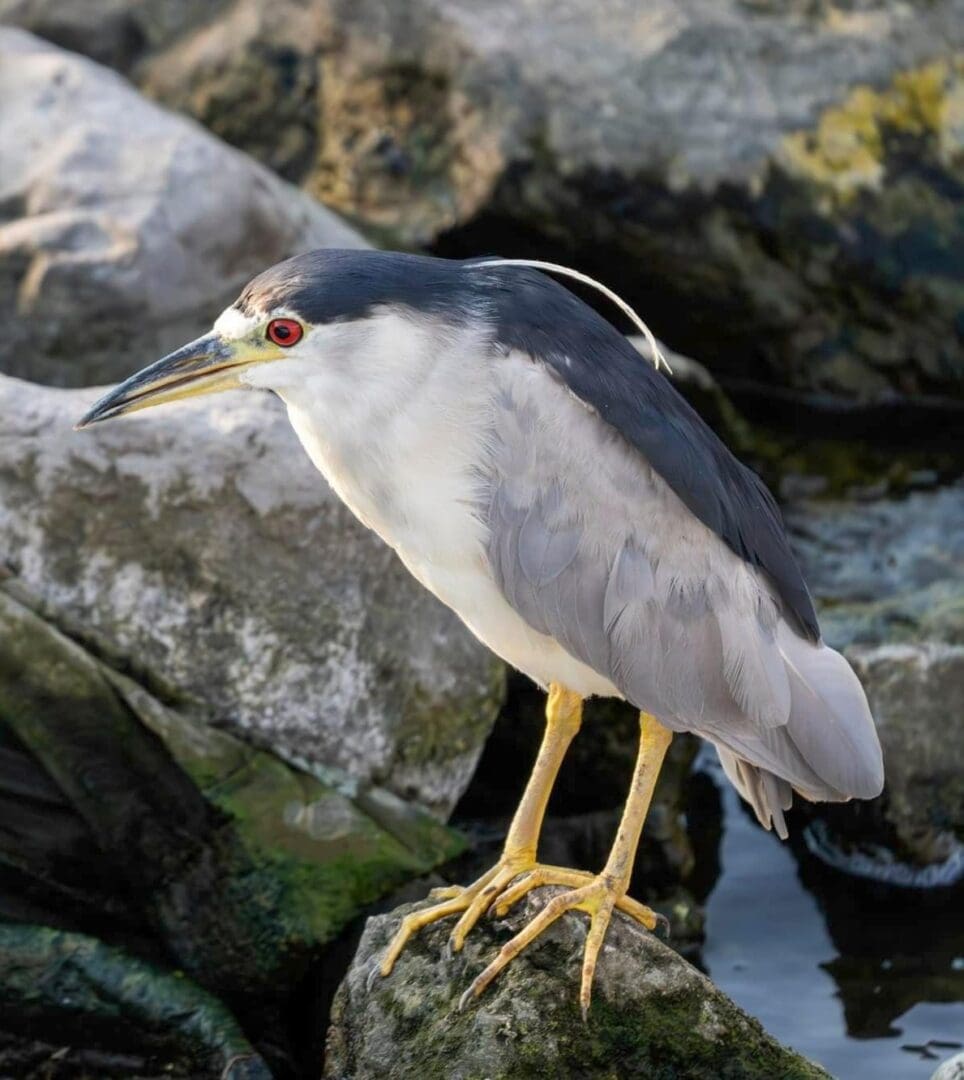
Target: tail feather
x: 769, y: 795
x: 830, y: 721
x: 827, y: 751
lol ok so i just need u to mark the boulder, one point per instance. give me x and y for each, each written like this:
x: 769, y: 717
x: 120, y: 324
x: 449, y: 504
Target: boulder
x: 131, y: 829
x: 652, y: 1013
x: 104, y: 1004
x: 888, y: 575
x: 774, y: 183
x: 885, y: 570
x: 124, y: 229
x: 197, y: 549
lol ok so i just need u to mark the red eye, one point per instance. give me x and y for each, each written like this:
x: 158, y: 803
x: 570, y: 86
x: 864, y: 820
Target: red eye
x: 284, y: 332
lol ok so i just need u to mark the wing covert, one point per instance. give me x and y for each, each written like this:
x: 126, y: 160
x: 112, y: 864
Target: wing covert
x: 543, y: 320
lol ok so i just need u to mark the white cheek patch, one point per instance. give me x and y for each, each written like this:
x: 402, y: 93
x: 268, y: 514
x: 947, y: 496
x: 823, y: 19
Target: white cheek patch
x: 232, y: 324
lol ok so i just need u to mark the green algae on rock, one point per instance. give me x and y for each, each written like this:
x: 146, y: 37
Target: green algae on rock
x: 652, y: 1013
x: 240, y: 866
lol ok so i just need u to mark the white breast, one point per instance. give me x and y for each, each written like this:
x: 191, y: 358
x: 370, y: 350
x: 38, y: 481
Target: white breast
x: 402, y: 450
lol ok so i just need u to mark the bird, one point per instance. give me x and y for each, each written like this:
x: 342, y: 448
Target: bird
x: 552, y: 487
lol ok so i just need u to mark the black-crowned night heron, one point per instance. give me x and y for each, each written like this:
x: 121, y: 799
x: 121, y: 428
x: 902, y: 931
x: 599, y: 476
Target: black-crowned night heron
x: 554, y: 489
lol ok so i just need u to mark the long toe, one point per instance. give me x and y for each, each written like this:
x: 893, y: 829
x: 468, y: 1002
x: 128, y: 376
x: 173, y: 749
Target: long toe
x: 469, y: 902
x: 598, y: 898
x: 573, y: 879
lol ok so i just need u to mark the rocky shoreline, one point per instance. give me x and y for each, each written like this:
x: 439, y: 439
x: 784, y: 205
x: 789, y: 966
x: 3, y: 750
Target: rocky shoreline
x: 231, y: 725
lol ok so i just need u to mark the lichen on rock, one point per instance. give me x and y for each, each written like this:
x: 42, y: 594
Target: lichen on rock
x: 847, y: 150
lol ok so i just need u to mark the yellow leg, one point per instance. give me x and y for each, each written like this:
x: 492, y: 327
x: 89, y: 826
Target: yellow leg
x: 563, y: 718
x: 601, y: 894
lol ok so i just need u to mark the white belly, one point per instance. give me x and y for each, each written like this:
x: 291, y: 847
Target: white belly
x: 429, y: 521
x: 473, y: 594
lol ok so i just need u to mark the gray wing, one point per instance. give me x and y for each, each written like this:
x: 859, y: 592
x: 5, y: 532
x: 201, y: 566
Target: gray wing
x: 591, y: 547
x: 540, y: 318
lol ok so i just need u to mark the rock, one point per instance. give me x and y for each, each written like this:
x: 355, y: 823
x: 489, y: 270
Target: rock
x: 99, y: 998
x: 915, y: 692
x: 155, y: 789
x: 785, y: 174
x: 125, y: 229
x: 885, y: 571
x: 128, y: 820
x: 651, y: 1011
x: 197, y: 549
x: 112, y: 32
x: 952, y: 1069
x: 888, y: 576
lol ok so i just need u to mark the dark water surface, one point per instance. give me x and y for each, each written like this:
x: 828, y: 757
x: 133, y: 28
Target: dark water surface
x: 769, y: 946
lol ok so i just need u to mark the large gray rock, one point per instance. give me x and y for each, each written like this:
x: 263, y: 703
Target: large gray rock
x: 917, y: 696
x: 885, y: 570
x: 124, y: 229
x: 888, y: 576
x: 136, y: 823
x: 198, y: 548
x: 783, y: 172
x: 652, y: 1013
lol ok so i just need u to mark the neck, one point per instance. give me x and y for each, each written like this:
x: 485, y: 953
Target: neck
x: 400, y: 439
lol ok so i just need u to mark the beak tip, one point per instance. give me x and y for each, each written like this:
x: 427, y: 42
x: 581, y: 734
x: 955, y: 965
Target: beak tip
x: 204, y: 357
x: 90, y: 417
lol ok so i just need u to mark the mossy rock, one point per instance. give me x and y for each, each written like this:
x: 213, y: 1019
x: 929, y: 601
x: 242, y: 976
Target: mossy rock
x: 141, y: 823
x: 652, y: 1014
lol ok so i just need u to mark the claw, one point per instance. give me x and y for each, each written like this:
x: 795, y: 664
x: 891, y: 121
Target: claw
x: 464, y: 901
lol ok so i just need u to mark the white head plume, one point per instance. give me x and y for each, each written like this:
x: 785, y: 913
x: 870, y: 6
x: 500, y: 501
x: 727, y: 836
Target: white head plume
x: 576, y: 275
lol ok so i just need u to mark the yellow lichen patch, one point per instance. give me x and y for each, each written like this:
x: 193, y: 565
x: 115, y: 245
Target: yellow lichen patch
x: 847, y: 150
x: 951, y: 133
x: 916, y: 103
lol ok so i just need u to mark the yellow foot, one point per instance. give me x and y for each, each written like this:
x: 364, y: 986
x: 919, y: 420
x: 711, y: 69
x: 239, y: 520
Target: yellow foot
x: 599, y: 897
x: 557, y: 875
x: 471, y: 901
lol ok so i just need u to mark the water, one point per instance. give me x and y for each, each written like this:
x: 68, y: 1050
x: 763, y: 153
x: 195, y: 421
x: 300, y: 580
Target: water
x: 769, y: 947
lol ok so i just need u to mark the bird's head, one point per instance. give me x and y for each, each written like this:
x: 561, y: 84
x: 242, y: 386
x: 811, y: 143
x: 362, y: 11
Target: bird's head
x: 358, y: 321
x: 308, y: 317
